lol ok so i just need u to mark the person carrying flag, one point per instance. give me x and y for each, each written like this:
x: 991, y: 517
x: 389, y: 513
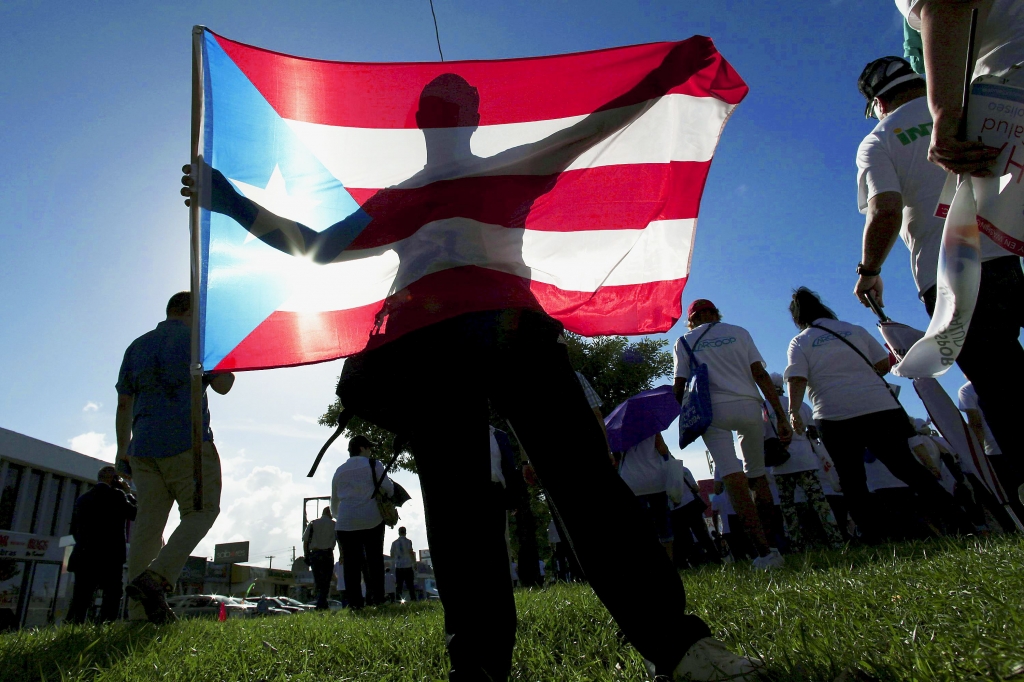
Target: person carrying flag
x: 443, y: 378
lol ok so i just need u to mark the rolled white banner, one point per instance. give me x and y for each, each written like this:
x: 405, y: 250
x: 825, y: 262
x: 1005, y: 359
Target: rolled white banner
x: 959, y: 276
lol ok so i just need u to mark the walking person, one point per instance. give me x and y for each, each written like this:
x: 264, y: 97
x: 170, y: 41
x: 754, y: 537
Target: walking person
x: 736, y: 374
x: 154, y: 440
x: 318, y: 547
x: 841, y: 366
x: 404, y: 559
x: 642, y: 467
x: 358, y: 523
x: 799, y: 471
x: 898, y: 190
x: 98, y: 524
x: 687, y: 517
x: 1008, y: 468
x: 829, y: 481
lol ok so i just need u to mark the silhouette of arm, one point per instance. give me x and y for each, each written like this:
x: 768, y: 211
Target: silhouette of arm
x: 556, y: 152
x: 281, y: 233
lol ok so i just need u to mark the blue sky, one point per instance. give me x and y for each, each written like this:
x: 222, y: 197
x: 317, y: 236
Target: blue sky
x: 95, y: 127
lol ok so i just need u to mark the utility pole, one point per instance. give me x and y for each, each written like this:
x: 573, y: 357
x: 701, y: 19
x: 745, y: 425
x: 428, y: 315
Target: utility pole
x: 293, y: 554
x: 271, y: 557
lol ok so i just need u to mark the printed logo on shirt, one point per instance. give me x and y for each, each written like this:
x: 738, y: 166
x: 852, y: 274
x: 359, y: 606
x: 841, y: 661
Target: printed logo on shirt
x: 715, y: 343
x: 915, y: 133
x: 825, y: 338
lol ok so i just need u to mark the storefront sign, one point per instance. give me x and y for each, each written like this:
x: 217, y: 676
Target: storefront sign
x: 27, y: 546
x: 231, y: 553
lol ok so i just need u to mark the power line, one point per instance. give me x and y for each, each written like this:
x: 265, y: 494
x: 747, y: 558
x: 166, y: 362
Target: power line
x: 436, y: 34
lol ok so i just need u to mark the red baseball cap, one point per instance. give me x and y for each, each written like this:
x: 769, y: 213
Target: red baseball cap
x: 699, y: 305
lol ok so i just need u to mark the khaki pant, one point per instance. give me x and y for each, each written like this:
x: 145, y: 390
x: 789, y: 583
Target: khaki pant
x: 159, y: 483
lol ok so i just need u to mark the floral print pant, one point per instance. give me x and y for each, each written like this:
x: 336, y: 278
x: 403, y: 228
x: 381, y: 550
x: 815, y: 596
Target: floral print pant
x: 787, y: 484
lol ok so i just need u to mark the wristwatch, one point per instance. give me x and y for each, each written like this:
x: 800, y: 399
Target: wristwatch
x: 864, y: 271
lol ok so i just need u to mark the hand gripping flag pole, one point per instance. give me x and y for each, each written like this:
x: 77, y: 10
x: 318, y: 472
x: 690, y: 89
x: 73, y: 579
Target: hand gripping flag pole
x: 196, y: 365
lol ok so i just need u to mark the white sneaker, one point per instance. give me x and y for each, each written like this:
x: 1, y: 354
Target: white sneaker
x: 709, y: 661
x: 772, y: 560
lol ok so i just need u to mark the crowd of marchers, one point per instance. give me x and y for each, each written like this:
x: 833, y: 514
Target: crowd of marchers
x: 836, y: 463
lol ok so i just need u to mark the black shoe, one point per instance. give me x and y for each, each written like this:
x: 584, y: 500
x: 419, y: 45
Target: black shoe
x: 150, y: 590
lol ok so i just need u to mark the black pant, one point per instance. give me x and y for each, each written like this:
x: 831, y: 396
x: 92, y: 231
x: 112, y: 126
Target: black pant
x: 107, y: 579
x: 405, y: 577
x: 839, y: 509
x: 992, y: 357
x: 885, y: 435
x: 513, y: 359
x: 363, y: 549
x: 686, y: 522
x: 321, y: 561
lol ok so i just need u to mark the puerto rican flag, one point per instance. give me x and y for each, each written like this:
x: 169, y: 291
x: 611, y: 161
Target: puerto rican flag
x: 345, y: 204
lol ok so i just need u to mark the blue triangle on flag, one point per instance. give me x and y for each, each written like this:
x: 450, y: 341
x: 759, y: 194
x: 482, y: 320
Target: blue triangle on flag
x: 247, y: 280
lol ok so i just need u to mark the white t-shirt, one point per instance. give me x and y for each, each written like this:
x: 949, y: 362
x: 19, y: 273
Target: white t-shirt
x: 840, y: 384
x: 968, y: 400
x: 946, y: 479
x: 678, y: 482
x: 553, y: 536
x: 339, y: 576
x: 894, y: 158
x: 801, y: 456
x: 496, y: 475
x: 643, y: 468
x: 1000, y: 40
x: 827, y: 475
x: 728, y: 351
x: 721, y: 504
x: 351, y: 491
x: 879, y: 477
x: 776, y: 500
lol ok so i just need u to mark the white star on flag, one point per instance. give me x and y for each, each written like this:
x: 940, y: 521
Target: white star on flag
x: 276, y: 199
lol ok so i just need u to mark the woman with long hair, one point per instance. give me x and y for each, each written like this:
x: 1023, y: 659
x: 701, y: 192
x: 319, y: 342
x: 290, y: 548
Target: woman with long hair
x: 841, y: 367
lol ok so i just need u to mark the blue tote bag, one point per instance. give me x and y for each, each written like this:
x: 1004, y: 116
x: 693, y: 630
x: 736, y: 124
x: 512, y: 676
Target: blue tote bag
x: 695, y: 411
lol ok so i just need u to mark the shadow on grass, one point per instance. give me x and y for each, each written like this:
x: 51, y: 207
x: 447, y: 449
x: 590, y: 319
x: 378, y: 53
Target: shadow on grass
x: 68, y: 651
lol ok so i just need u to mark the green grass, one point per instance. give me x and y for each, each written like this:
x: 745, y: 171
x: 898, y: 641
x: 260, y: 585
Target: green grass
x: 948, y: 610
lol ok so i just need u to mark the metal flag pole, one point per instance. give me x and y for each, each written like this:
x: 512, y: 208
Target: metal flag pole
x: 196, y: 365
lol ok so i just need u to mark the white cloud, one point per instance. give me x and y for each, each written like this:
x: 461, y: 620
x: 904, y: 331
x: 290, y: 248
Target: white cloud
x: 95, y: 445
x: 92, y: 407
x: 304, y: 418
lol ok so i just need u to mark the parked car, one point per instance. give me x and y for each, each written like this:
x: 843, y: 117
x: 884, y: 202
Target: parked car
x: 430, y: 588
x: 208, y: 606
x: 332, y: 604
x: 296, y: 603
x: 277, y: 607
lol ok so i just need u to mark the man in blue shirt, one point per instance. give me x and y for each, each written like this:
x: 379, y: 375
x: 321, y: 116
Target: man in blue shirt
x: 154, y: 441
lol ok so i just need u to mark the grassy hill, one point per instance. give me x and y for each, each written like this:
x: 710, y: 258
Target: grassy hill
x: 941, y: 610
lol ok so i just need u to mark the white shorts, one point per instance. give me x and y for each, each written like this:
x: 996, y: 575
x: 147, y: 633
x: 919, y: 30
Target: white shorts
x: 746, y: 419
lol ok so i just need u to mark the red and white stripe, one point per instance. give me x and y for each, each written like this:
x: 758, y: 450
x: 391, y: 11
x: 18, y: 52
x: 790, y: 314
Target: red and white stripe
x: 605, y: 248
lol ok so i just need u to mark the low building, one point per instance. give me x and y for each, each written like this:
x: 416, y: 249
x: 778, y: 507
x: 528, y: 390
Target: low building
x: 39, y: 483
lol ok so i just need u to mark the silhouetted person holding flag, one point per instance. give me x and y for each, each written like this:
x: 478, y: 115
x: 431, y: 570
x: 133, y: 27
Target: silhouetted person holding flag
x: 435, y: 385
